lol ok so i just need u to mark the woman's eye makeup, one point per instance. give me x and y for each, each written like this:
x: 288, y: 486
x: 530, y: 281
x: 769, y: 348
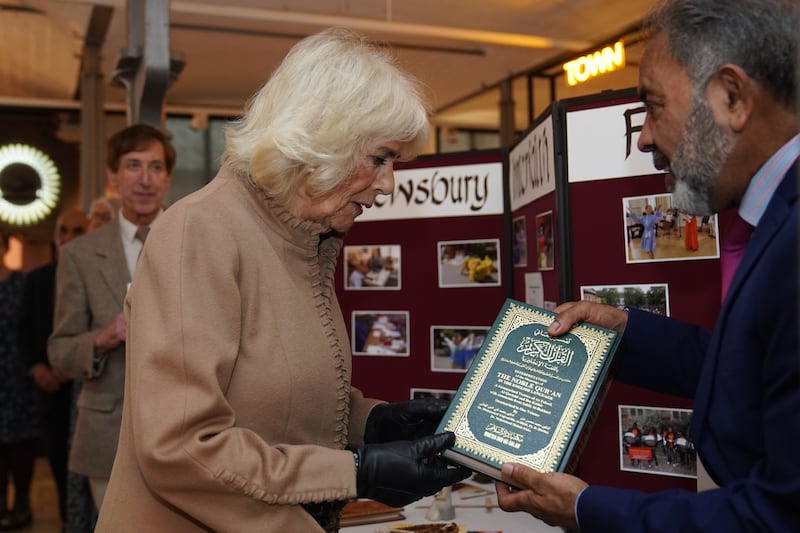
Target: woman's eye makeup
x: 383, y: 157
x: 378, y: 160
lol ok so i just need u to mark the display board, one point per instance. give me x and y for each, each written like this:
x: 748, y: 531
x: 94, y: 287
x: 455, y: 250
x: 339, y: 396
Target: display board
x: 532, y: 200
x: 422, y: 275
x: 620, y: 240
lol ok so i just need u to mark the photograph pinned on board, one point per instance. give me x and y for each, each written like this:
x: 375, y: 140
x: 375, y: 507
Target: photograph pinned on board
x: 380, y: 333
x: 656, y: 440
x: 545, y: 243
x: 454, y: 347
x: 520, y: 242
x: 655, y: 230
x: 653, y: 297
x: 473, y: 263
x: 372, y: 267
x: 443, y: 394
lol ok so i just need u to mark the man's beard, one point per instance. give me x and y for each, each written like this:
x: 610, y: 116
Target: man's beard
x: 698, y: 160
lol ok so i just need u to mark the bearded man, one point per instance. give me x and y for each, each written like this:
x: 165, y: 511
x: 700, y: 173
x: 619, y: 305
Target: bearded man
x: 718, y: 79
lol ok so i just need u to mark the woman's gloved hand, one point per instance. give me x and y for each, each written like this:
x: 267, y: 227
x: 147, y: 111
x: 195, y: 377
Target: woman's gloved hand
x: 398, y: 473
x: 409, y: 420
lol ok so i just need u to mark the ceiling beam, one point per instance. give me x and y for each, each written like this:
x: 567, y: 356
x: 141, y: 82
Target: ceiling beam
x: 472, y: 51
x: 399, y: 28
x: 368, y: 25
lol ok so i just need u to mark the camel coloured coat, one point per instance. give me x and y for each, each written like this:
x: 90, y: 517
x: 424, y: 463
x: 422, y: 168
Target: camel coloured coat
x: 238, y: 400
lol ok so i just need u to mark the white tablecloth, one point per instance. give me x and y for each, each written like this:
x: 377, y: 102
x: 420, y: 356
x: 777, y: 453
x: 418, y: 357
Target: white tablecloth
x: 474, y: 518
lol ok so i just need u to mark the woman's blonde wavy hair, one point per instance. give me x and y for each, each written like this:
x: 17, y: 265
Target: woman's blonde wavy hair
x: 335, y: 97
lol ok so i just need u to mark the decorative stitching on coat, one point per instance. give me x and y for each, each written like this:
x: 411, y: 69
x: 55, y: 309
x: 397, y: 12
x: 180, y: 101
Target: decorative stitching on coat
x: 322, y: 251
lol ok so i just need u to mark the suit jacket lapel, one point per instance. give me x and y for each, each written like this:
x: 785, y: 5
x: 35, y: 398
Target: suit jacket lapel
x: 111, y: 261
x: 776, y: 215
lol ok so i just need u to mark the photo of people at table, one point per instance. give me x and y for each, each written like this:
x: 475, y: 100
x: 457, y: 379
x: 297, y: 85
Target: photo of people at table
x: 380, y: 333
x: 453, y: 348
x: 372, y: 267
x: 655, y: 230
x: 656, y: 440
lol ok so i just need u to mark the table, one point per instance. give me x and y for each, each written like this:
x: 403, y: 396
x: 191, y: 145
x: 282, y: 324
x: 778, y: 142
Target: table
x: 474, y: 518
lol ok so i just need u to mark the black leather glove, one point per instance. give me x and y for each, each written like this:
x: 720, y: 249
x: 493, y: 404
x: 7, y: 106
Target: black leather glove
x: 407, y: 420
x: 398, y: 473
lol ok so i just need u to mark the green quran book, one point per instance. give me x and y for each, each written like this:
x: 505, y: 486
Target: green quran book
x: 527, y: 397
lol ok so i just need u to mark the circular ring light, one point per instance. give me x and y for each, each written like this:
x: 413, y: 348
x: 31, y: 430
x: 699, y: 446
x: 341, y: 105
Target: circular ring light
x: 46, y: 196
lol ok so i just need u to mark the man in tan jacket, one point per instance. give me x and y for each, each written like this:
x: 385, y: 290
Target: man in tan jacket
x: 93, y: 275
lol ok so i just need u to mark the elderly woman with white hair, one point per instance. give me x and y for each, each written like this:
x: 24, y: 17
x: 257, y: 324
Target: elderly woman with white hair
x: 239, y: 412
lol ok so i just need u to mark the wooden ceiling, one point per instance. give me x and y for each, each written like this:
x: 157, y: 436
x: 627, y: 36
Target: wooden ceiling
x: 229, y: 48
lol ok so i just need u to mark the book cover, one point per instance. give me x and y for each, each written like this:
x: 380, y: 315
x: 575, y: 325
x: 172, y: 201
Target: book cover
x: 527, y: 397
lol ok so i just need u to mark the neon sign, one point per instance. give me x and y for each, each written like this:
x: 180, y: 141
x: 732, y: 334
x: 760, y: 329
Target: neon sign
x: 594, y: 64
x: 44, y: 198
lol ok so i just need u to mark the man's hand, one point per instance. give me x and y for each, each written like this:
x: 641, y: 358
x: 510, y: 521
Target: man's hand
x: 112, y: 336
x: 571, y: 313
x: 548, y: 497
x: 47, y: 378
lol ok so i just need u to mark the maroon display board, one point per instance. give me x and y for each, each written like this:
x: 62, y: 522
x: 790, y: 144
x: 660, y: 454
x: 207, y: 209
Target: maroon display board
x: 602, y: 189
x: 535, y: 233
x: 418, y: 295
x: 607, y: 220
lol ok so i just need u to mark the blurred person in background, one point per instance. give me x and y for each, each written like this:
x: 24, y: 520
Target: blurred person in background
x: 101, y: 212
x: 92, y: 278
x: 19, y: 426
x: 35, y: 325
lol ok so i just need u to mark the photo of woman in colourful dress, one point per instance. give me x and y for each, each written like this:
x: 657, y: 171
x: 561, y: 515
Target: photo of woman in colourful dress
x: 648, y: 220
